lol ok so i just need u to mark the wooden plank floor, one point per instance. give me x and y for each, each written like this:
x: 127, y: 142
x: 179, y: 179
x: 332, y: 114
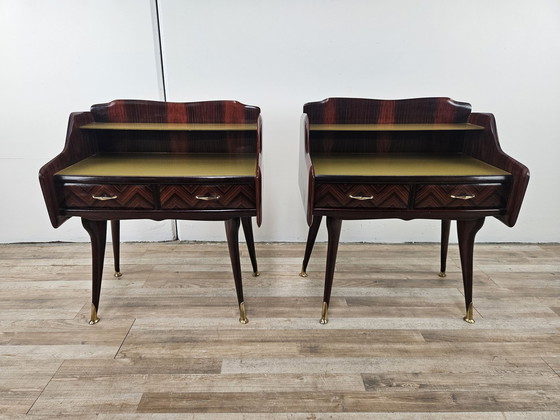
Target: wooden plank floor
x: 169, y: 344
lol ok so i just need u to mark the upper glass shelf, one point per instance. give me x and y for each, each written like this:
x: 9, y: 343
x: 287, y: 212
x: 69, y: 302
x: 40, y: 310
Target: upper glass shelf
x: 395, y: 127
x: 169, y: 126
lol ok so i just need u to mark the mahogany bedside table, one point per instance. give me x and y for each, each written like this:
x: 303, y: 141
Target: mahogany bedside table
x: 131, y: 159
x: 426, y: 158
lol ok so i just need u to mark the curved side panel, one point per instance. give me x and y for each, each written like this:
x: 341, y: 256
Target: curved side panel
x: 306, y: 173
x: 258, y: 178
x: 77, y: 147
x: 487, y: 148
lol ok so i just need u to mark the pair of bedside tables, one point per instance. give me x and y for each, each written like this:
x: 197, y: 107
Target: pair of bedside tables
x: 426, y: 158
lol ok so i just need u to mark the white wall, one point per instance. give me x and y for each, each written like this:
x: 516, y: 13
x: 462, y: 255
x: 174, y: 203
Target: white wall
x: 57, y: 57
x: 502, y: 56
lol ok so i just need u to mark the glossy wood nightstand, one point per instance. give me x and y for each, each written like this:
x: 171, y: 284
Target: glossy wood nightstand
x: 131, y: 159
x: 426, y: 158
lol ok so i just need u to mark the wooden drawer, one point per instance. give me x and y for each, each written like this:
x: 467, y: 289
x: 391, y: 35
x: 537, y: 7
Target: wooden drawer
x: 362, y: 196
x: 202, y: 197
x: 482, y: 196
x: 108, y: 196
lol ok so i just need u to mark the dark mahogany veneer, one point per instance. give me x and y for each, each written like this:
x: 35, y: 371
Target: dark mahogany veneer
x: 132, y: 159
x: 425, y: 158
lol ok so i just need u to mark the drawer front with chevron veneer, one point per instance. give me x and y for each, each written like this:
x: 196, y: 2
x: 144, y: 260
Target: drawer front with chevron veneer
x: 335, y: 195
x: 84, y: 196
x: 489, y: 196
x: 205, y: 197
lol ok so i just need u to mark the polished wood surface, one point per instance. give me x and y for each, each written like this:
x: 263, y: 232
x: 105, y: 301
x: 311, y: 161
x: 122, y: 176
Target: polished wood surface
x: 169, y: 344
x: 131, y: 159
x: 84, y: 143
x: 422, y: 158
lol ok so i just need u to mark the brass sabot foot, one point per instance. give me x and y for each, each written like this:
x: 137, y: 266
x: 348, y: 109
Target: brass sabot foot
x: 469, y: 316
x: 442, y: 274
x: 242, y: 314
x: 256, y: 274
x: 324, y: 314
x: 118, y: 274
x: 302, y: 273
x: 93, y: 317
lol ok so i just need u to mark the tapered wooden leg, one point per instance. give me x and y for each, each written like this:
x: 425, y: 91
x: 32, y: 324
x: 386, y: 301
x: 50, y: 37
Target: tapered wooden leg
x: 333, y: 230
x: 97, y: 231
x: 116, y: 237
x: 232, y: 234
x: 248, y: 231
x: 445, y: 226
x: 311, y: 236
x: 466, y: 232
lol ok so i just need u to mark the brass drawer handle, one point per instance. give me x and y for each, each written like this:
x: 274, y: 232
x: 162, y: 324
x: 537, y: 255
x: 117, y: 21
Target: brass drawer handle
x: 463, y: 197
x: 104, y: 197
x: 361, y: 197
x: 207, y: 197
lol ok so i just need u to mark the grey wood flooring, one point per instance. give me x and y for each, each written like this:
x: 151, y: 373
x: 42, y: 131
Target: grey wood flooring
x: 169, y: 345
